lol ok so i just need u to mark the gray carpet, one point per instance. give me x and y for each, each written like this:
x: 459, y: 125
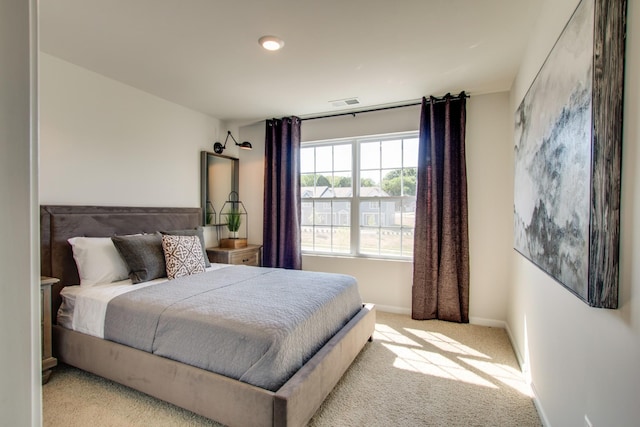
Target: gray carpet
x: 414, y: 373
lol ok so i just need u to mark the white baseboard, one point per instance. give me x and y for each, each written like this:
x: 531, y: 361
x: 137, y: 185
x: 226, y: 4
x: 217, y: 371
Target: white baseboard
x: 473, y: 320
x: 527, y: 375
x: 523, y: 368
x: 394, y: 310
x: 539, y: 408
x: 488, y: 322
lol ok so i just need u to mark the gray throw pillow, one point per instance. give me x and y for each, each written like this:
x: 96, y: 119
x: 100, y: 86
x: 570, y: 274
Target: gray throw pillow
x: 198, y: 231
x: 143, y: 254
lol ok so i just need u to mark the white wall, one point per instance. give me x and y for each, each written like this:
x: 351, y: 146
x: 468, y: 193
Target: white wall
x: 582, y: 360
x: 388, y: 283
x: 20, y: 390
x: 106, y: 143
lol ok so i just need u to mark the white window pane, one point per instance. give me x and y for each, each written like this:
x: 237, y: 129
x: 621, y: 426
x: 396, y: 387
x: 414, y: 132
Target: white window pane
x: 342, y: 184
x: 392, y: 154
x: 409, y: 212
x: 307, y: 180
x: 307, y: 159
x: 342, y: 157
x: 341, y: 240
x: 392, y: 182
x: 307, y: 185
x: 389, y: 217
x: 307, y: 213
x: 407, y: 242
x: 370, y: 214
x: 370, y: 155
x: 369, y: 241
x: 322, y: 213
x: 410, y: 153
x: 369, y: 179
x: 409, y: 181
x: 323, y: 218
x: 307, y: 238
x: 324, y: 159
x: 390, y: 242
x: 323, y: 185
x: 322, y: 239
x: 341, y: 214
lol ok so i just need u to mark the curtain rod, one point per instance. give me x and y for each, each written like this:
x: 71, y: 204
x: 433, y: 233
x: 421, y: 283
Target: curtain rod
x: 391, y: 107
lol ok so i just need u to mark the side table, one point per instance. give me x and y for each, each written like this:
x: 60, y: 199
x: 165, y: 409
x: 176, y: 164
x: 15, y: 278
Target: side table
x: 48, y: 361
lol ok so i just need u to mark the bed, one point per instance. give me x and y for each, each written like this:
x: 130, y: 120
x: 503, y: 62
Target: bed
x: 221, y: 398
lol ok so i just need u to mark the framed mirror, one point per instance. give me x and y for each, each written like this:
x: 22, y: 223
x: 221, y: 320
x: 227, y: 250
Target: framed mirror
x: 219, y: 176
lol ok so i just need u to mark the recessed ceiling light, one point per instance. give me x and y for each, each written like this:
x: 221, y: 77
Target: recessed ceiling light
x: 271, y: 42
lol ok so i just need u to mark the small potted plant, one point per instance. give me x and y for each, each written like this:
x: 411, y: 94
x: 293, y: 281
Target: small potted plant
x: 233, y: 210
x: 234, y: 219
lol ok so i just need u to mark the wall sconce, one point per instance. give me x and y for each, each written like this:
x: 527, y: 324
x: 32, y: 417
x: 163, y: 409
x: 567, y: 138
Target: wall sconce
x: 218, y: 148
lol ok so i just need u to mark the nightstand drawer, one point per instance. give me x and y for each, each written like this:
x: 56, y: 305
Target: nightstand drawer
x: 251, y: 255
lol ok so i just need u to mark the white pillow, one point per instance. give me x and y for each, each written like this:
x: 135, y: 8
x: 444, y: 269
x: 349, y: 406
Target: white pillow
x: 98, y: 260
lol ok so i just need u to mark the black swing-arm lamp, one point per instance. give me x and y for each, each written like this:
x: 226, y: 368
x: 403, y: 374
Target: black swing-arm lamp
x: 218, y: 148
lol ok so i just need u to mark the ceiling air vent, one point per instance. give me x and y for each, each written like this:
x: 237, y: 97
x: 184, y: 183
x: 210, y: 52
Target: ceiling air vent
x: 345, y: 102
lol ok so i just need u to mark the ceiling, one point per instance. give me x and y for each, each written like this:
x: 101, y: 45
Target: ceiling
x: 204, y: 54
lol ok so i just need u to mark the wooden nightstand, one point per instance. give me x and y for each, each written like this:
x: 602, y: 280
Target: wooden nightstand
x: 249, y: 255
x: 48, y: 361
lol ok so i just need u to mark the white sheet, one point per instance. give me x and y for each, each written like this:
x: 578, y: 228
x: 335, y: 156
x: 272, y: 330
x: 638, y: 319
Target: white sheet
x: 83, y: 309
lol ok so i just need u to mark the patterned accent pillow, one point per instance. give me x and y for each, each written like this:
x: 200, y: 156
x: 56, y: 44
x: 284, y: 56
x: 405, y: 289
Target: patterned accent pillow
x: 183, y: 255
x: 198, y: 231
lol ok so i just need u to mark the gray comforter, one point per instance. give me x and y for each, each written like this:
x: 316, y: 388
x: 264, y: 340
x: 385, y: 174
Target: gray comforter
x: 257, y: 325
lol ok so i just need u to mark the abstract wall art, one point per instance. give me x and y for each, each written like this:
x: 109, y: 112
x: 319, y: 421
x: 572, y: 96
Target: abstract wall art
x: 568, y: 143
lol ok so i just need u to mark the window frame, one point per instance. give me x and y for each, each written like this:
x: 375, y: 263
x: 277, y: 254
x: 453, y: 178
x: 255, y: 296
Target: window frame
x: 355, y: 200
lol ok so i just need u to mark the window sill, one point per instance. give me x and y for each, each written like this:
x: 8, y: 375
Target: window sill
x: 359, y: 258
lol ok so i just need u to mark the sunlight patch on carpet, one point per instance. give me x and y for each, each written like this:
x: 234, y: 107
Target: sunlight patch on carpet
x: 388, y: 334
x: 445, y: 343
x: 435, y: 364
x: 503, y: 373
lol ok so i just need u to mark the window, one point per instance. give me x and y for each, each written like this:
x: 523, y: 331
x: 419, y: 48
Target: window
x: 373, y: 218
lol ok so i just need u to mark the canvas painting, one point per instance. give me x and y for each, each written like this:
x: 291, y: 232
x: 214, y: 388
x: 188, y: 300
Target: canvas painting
x: 553, y: 158
x: 554, y: 163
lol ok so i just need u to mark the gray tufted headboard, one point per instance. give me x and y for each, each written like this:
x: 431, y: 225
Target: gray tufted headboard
x: 59, y: 223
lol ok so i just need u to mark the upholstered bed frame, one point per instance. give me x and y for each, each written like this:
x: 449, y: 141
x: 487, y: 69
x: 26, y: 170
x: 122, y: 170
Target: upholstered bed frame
x: 225, y: 400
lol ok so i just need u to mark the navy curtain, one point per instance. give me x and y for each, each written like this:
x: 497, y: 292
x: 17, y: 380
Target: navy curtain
x: 441, y: 242
x: 282, y: 204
